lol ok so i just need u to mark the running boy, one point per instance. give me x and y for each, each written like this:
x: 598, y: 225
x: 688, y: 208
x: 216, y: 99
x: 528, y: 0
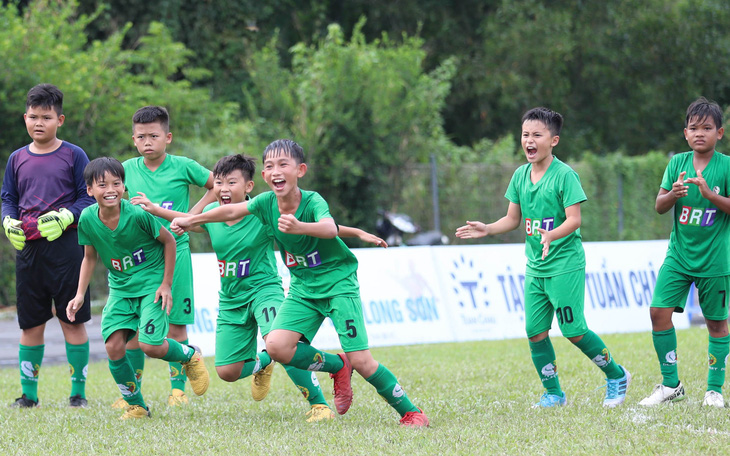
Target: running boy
x: 324, y: 282
x: 140, y: 256
x: 699, y: 252
x: 43, y: 194
x: 547, y: 194
x: 166, y: 180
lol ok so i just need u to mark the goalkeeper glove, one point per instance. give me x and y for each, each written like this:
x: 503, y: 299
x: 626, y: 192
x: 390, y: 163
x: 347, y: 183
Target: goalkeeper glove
x: 14, y: 232
x: 53, y: 224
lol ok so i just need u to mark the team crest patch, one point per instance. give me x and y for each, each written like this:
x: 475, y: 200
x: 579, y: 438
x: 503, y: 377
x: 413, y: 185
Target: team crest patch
x: 138, y: 374
x: 127, y: 389
x: 304, y: 391
x: 71, y: 370
x: 318, y: 363
x: 716, y: 189
x: 603, y: 359
x: 29, y: 371
x: 549, y: 369
x: 174, y: 372
x: 711, y: 359
x: 315, y: 380
x: 671, y: 357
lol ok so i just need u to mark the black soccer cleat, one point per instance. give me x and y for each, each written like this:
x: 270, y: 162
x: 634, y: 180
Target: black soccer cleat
x: 24, y: 402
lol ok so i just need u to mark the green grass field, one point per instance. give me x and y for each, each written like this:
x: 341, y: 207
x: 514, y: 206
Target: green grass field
x: 477, y: 395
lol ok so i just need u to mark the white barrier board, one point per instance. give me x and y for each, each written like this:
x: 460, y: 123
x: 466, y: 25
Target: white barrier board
x: 415, y: 295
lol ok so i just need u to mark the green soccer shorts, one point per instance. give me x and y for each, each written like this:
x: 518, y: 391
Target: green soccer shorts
x: 305, y: 316
x: 139, y: 314
x: 237, y: 329
x: 563, y: 295
x: 672, y: 288
x: 183, y: 302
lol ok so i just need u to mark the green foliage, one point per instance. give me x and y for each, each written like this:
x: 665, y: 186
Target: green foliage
x: 362, y: 111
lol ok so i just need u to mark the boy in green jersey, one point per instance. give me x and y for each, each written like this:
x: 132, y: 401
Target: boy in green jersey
x: 324, y: 282
x: 166, y: 179
x: 699, y: 252
x: 140, y: 256
x: 251, y: 290
x: 547, y: 194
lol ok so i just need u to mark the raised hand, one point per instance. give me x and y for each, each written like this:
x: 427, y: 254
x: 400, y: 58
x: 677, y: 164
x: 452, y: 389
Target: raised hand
x: 679, y: 189
x: 472, y: 230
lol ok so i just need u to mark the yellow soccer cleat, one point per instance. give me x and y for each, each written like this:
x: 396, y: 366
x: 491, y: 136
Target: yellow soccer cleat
x: 319, y: 412
x: 177, y: 398
x: 196, y: 372
x: 261, y: 382
x: 134, y: 412
x: 120, y: 403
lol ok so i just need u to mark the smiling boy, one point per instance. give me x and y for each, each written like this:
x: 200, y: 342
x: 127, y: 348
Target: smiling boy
x: 324, y: 282
x: 140, y: 256
x: 699, y: 252
x: 547, y: 194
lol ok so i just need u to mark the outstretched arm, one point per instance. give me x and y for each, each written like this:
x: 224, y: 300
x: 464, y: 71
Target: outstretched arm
x: 158, y: 211
x: 350, y: 232
x: 220, y: 214
x: 474, y: 230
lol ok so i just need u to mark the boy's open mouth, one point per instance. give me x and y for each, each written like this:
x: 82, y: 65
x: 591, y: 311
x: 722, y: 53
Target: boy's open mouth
x: 531, y: 151
x: 278, y: 183
x: 225, y: 199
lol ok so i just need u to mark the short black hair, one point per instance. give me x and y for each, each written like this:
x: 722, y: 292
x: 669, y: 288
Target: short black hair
x: 97, y: 167
x: 230, y: 163
x: 552, y: 120
x: 45, y: 96
x: 152, y: 114
x: 285, y: 147
x: 703, y: 108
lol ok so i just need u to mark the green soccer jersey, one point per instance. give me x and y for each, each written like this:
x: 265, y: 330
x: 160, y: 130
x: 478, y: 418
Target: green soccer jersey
x: 320, y: 268
x: 699, y: 243
x: 131, y: 252
x: 246, y: 260
x: 168, y: 185
x: 543, y: 206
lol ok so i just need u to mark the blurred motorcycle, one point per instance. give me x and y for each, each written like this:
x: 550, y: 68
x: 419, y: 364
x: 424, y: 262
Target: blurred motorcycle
x: 391, y: 226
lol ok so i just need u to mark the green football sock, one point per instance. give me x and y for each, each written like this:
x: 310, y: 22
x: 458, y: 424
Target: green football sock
x: 123, y: 374
x: 78, y: 364
x: 30, y: 358
x: 388, y: 387
x: 309, y: 358
x: 176, y: 351
x: 543, y: 357
x: 307, y: 383
x: 593, y: 347
x: 177, y: 374
x: 665, y: 344
x: 249, y: 368
x: 136, y: 358
x: 717, y: 351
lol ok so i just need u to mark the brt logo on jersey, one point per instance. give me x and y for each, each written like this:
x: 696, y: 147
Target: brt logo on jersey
x: 309, y: 260
x: 167, y: 204
x: 137, y: 257
x: 531, y: 225
x: 697, y: 216
x: 240, y: 268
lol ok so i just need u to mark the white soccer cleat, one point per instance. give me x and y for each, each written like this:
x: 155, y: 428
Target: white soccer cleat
x: 713, y: 399
x: 663, y: 394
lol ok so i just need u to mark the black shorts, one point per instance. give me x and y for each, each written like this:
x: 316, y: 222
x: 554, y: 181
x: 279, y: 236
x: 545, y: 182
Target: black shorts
x: 49, y: 271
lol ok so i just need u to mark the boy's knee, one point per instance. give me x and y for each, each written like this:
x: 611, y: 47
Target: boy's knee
x: 153, y: 351
x: 229, y: 373
x: 279, y: 349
